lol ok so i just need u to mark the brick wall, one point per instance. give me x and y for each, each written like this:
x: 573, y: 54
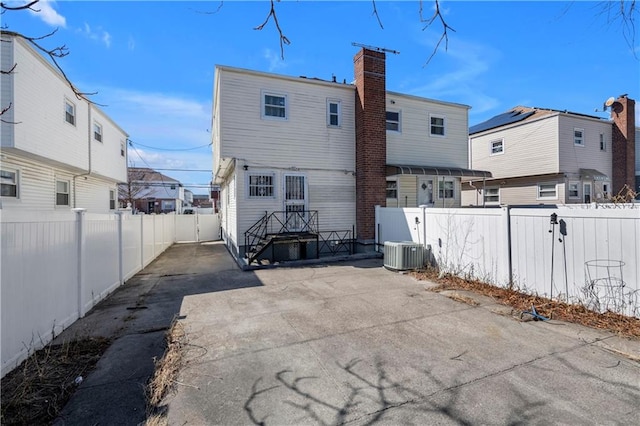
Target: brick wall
x: 371, y: 140
x: 623, y: 143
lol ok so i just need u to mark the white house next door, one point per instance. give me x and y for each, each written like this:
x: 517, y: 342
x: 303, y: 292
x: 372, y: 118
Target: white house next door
x: 295, y: 201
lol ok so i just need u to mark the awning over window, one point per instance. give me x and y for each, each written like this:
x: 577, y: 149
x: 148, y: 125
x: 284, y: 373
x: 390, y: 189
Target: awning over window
x: 593, y: 174
x: 435, y: 171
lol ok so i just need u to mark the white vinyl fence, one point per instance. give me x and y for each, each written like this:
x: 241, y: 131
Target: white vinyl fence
x: 58, y: 265
x: 588, y: 256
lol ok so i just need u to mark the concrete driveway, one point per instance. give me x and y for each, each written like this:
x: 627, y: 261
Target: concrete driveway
x: 354, y: 343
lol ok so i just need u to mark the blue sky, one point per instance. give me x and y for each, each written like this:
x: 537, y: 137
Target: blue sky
x: 152, y: 63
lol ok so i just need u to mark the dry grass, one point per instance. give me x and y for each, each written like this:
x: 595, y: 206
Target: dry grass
x: 37, y: 390
x: 621, y: 325
x: 464, y: 299
x: 165, y: 375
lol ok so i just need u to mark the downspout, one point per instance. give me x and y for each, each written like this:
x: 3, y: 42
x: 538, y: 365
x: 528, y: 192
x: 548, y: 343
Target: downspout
x: 89, y: 131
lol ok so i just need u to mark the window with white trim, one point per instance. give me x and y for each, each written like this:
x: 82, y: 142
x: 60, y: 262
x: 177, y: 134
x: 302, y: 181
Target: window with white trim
x: 547, y: 191
x: 333, y: 113
x: 574, y: 190
x: 112, y: 199
x: 393, y: 121
x: 492, y: 195
x: 603, y: 144
x: 497, y: 147
x: 9, y: 183
x: 274, y: 105
x: 446, y: 189
x: 97, y: 132
x: 261, y: 185
x: 578, y: 136
x: 437, y: 125
x: 62, y: 192
x: 69, y: 112
x: 392, y: 189
x: 122, y: 150
x: 605, y: 191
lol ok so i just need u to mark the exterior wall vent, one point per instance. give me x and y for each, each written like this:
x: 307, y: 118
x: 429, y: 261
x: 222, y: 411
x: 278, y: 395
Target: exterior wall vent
x: 404, y: 255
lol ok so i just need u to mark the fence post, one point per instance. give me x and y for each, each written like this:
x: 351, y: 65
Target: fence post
x: 80, y: 244
x: 119, y: 215
x: 506, y: 226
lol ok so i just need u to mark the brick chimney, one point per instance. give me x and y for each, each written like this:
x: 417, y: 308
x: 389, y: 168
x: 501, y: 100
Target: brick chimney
x: 623, y: 143
x: 371, y: 143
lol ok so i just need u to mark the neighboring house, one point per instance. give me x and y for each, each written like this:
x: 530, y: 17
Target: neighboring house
x: 149, y: 191
x: 202, y: 201
x: 324, y: 153
x: 58, y: 152
x: 544, y: 156
x: 188, y: 198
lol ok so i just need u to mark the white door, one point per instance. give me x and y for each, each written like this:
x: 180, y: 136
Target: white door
x: 425, y: 191
x: 587, y: 192
x: 295, y: 202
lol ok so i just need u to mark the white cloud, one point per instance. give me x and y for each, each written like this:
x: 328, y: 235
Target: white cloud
x: 274, y: 59
x: 97, y: 34
x: 45, y: 11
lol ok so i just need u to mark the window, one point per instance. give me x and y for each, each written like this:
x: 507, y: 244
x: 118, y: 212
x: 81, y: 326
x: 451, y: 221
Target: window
x: 492, y: 195
x: 393, y: 121
x: 173, y: 187
x: 97, y: 132
x: 497, y: 147
x: 69, y: 112
x: 62, y: 193
x: 333, y: 113
x: 445, y: 189
x: 437, y: 125
x: 112, y: 199
x: 605, y: 191
x: 547, y: 191
x: 261, y: 186
x: 274, y: 105
x: 578, y: 137
x: 603, y: 145
x: 392, y: 189
x: 573, y: 190
x: 122, y: 151
x: 9, y: 183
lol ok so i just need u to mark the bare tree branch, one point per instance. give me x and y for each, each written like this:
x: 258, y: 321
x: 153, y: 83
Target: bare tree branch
x: 26, y: 6
x: 209, y: 13
x: 283, y: 39
x: 626, y: 12
x: 9, y: 71
x: 445, y: 28
x: 375, y: 12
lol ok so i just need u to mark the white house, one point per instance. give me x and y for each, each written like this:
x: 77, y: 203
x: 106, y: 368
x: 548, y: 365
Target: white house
x: 149, y: 191
x: 58, y: 151
x: 311, y: 158
x: 544, y: 156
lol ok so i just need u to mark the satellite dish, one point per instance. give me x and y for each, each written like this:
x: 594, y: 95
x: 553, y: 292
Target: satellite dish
x: 609, y: 102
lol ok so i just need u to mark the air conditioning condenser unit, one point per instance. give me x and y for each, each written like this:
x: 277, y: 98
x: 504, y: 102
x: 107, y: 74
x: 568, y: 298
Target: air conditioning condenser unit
x: 404, y: 255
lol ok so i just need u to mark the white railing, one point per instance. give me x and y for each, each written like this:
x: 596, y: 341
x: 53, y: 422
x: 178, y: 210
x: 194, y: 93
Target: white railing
x: 588, y: 256
x: 57, y: 265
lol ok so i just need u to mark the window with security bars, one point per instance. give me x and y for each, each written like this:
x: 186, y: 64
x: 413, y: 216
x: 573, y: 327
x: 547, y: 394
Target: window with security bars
x: 274, y: 106
x: 445, y: 189
x: 261, y: 186
x: 9, y: 183
x: 62, y: 193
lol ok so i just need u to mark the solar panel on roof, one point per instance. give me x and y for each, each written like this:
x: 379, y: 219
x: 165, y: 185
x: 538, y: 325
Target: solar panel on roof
x: 500, y: 120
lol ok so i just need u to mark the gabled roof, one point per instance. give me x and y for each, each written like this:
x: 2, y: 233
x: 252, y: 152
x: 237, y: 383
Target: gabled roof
x: 144, y: 174
x: 521, y: 113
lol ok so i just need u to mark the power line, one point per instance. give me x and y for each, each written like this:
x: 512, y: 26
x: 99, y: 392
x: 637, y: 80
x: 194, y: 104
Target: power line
x: 185, y: 170
x: 168, y: 149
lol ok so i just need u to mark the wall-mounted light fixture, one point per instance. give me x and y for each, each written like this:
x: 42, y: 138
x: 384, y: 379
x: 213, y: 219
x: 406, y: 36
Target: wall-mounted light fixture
x: 245, y: 167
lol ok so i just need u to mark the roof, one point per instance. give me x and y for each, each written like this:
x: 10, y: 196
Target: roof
x: 435, y: 171
x: 145, y: 174
x: 521, y: 113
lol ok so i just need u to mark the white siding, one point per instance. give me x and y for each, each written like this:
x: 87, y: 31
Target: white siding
x: 6, y: 93
x: 41, y: 132
x: 413, y: 144
x: 530, y: 148
x: 574, y: 157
